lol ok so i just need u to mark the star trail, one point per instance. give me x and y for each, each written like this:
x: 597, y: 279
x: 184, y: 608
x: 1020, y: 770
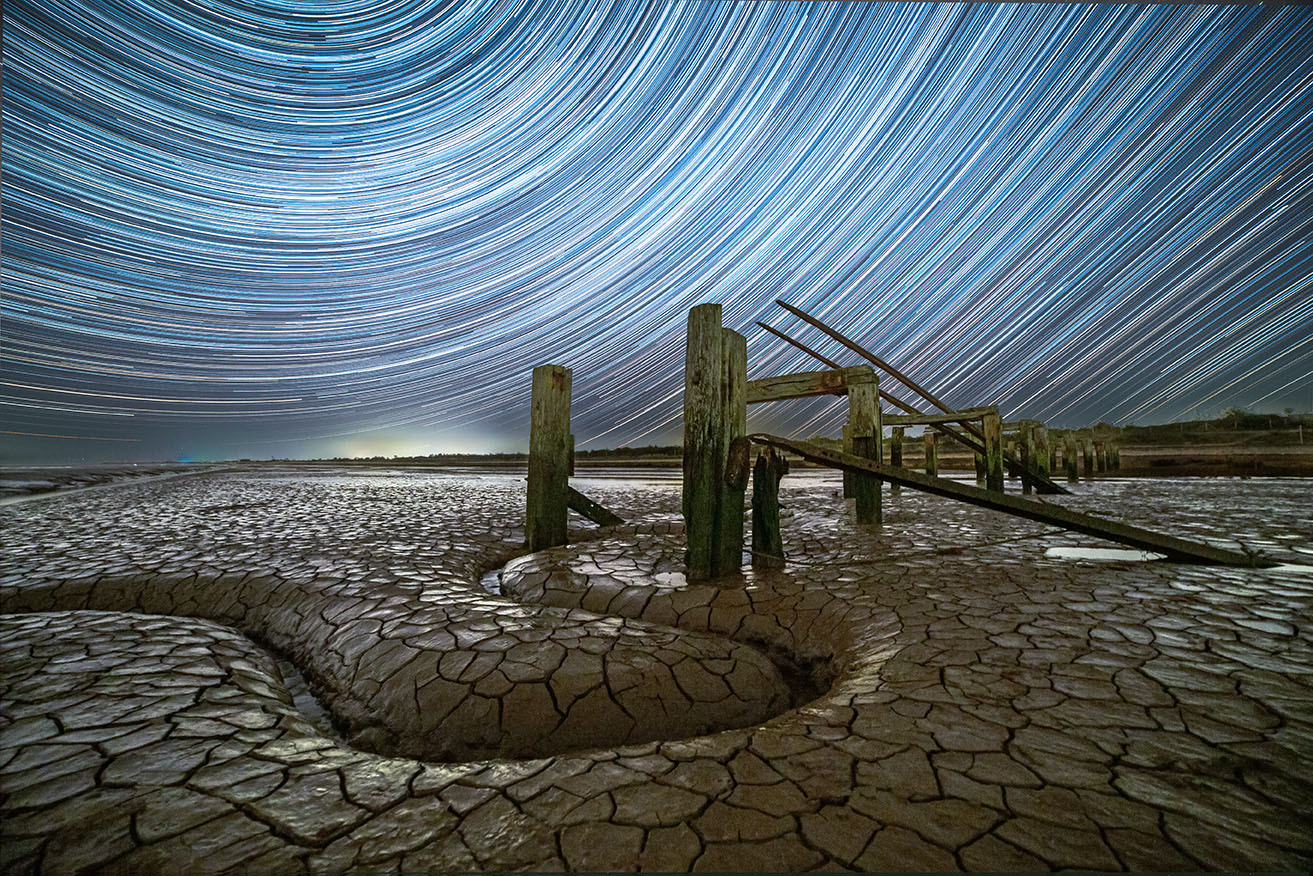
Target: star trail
x: 248, y: 228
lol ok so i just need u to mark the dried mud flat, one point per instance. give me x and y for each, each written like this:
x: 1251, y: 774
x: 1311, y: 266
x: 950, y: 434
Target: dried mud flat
x: 939, y: 693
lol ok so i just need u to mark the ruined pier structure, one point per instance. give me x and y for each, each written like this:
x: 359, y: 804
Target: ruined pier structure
x: 718, y: 454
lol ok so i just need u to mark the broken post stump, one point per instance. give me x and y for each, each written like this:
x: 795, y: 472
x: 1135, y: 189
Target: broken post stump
x: 931, y: 441
x: 767, y: 546
x: 864, y: 420
x: 992, y: 426
x: 895, y: 453
x: 715, y: 360
x: 549, y: 458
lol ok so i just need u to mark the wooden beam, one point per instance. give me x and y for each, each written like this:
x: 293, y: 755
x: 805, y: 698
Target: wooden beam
x: 600, y: 515
x: 549, y: 458
x: 929, y: 419
x: 1045, y: 512
x: 803, y: 384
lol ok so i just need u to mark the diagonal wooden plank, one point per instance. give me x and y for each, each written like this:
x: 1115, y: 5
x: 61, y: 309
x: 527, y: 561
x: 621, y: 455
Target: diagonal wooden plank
x: 1174, y: 548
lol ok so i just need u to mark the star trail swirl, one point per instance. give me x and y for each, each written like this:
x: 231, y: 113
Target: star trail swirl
x: 312, y: 227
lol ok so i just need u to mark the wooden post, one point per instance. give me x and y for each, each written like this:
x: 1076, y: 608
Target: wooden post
x: 992, y: 426
x: 1100, y: 458
x: 980, y: 467
x: 767, y: 546
x: 1116, y: 457
x: 1087, y: 451
x: 1069, y: 456
x: 549, y: 458
x: 1015, y: 454
x: 864, y: 419
x: 931, y: 441
x: 1026, y: 442
x: 1043, y: 449
x: 715, y: 412
x: 847, y: 448
x: 734, y: 378
x: 896, y: 453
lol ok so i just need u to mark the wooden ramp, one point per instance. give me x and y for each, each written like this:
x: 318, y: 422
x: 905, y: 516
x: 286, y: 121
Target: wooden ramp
x: 1178, y: 549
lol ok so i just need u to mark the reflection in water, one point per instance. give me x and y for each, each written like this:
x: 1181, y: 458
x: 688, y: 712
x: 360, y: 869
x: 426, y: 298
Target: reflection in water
x: 1109, y: 554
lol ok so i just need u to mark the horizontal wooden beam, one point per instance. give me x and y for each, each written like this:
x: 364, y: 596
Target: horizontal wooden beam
x: 1174, y: 548
x: 929, y: 419
x: 805, y: 384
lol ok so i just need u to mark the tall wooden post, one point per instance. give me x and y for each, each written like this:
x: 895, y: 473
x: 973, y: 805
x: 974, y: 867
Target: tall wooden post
x: 734, y: 379
x: 864, y: 420
x: 1069, y: 456
x: 896, y: 453
x: 847, y: 448
x: 992, y: 427
x: 550, y: 452
x: 1087, y: 451
x: 931, y: 441
x: 767, y: 546
x: 715, y: 412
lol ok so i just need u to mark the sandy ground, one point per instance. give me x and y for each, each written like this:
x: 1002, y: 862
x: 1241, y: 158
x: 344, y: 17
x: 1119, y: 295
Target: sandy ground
x: 941, y: 692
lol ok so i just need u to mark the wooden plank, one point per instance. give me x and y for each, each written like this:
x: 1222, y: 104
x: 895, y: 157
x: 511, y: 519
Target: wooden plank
x: 705, y: 453
x: 549, y: 458
x: 578, y: 502
x: 803, y: 384
x: 767, y: 545
x: 929, y: 419
x: 1174, y: 548
x: 734, y: 414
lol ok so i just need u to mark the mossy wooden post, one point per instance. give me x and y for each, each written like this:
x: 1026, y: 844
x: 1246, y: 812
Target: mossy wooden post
x: 1043, y: 449
x: 1087, y: 451
x: 992, y: 427
x: 1013, y: 452
x: 864, y: 420
x: 931, y: 441
x: 896, y: 452
x: 1069, y: 456
x: 847, y: 448
x: 767, y: 546
x: 980, y: 466
x: 715, y: 412
x: 729, y: 516
x: 550, y: 450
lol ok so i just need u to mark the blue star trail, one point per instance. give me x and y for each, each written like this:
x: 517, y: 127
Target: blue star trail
x: 297, y: 228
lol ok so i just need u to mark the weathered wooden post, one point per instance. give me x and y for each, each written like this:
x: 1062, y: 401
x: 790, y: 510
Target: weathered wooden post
x: 1043, y: 449
x: 931, y: 440
x: 550, y: 452
x: 715, y: 413
x: 1100, y: 457
x: 1069, y: 456
x: 1116, y: 457
x: 1015, y: 454
x: 847, y: 448
x: 864, y: 419
x: 980, y: 466
x: 992, y: 427
x: 734, y: 379
x: 896, y: 453
x: 1026, y: 442
x: 1087, y: 451
x: 767, y: 546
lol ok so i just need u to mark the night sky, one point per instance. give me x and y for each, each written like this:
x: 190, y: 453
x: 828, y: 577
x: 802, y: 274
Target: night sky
x: 300, y: 228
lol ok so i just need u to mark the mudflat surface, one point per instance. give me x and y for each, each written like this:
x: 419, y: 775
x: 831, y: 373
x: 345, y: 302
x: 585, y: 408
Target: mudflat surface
x: 941, y: 692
